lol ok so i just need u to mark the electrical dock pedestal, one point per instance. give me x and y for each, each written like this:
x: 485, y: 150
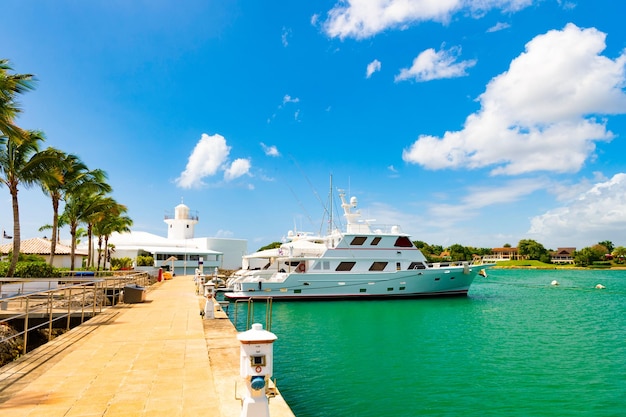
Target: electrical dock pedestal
x: 256, y: 367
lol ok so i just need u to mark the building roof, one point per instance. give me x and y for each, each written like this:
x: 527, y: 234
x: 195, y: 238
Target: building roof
x: 564, y: 251
x: 496, y: 250
x: 158, y: 244
x: 40, y: 246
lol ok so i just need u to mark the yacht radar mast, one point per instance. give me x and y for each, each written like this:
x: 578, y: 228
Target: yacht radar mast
x: 353, y: 225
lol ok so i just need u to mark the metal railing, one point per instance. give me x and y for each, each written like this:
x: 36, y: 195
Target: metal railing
x: 41, y: 303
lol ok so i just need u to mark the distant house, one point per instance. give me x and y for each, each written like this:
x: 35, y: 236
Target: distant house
x: 445, y: 255
x: 563, y: 256
x: 502, y: 254
x: 41, y: 246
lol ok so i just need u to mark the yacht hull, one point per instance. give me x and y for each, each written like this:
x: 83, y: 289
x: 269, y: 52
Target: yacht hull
x: 436, y: 282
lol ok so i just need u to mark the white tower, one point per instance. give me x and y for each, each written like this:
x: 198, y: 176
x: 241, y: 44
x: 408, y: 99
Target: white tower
x: 181, y: 226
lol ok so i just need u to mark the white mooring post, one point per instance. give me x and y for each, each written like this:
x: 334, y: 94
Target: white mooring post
x: 209, y: 305
x: 256, y: 366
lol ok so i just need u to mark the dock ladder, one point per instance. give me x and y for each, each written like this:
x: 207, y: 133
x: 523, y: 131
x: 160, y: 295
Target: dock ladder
x: 250, y: 312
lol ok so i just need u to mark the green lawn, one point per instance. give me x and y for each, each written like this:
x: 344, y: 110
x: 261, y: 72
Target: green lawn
x: 531, y: 264
x: 541, y: 265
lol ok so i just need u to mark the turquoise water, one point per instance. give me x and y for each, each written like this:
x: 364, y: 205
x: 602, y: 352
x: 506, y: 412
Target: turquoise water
x: 516, y: 346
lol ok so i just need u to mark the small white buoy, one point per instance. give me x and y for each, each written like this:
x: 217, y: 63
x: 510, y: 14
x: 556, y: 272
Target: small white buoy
x: 600, y: 287
x: 554, y: 282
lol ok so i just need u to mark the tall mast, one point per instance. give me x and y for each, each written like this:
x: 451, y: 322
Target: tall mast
x: 330, y: 198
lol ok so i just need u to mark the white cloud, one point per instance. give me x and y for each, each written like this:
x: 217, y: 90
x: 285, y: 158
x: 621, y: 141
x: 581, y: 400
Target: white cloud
x: 284, y: 37
x: 373, y: 67
x: 210, y: 156
x: 595, y: 215
x: 480, y: 197
x: 224, y: 234
x: 498, y: 27
x: 364, y: 18
x: 270, y: 150
x: 541, y: 114
x: 289, y: 99
x: 237, y: 168
x: 432, y: 65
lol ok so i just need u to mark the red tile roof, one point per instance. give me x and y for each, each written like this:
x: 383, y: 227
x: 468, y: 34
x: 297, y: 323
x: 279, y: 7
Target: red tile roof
x: 40, y: 246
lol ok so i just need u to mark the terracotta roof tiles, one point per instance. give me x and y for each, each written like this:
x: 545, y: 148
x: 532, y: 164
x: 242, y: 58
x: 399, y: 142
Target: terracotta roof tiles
x: 40, y: 246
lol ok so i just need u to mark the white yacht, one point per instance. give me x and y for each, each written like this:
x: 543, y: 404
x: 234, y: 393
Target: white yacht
x: 360, y: 263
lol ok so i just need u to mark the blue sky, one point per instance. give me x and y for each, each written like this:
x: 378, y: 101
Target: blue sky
x: 472, y: 122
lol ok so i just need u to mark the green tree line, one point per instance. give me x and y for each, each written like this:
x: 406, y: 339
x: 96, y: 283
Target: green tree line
x: 63, y: 177
x: 527, y: 249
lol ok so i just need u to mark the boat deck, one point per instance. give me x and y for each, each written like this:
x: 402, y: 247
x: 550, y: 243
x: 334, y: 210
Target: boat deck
x: 156, y: 358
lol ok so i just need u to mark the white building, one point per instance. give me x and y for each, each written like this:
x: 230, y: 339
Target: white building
x: 181, y: 250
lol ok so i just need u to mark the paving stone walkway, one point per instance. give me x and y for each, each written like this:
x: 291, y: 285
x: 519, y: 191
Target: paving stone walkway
x: 156, y: 358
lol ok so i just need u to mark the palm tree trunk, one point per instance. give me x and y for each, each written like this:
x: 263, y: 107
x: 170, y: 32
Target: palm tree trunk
x: 89, y: 246
x: 108, y: 253
x: 73, y: 245
x: 55, y: 227
x: 16, y: 231
x: 99, y: 250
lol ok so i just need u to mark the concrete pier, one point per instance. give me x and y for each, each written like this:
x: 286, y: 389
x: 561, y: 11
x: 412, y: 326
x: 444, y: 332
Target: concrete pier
x: 156, y: 358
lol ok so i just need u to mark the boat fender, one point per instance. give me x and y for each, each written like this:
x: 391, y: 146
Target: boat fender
x: 301, y: 267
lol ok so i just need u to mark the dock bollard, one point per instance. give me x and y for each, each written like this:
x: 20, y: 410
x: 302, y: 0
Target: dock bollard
x: 256, y: 367
x: 209, y: 305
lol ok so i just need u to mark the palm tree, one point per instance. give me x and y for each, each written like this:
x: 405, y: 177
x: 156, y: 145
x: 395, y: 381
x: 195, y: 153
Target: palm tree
x: 100, y: 207
x: 10, y: 86
x: 74, y: 213
x: 22, y: 163
x: 75, y: 175
x: 86, y: 208
x: 113, y: 219
x: 104, y: 230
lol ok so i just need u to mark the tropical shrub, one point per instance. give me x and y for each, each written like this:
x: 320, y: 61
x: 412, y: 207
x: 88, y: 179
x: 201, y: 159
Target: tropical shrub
x: 121, y: 263
x: 30, y: 270
x: 145, y: 261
